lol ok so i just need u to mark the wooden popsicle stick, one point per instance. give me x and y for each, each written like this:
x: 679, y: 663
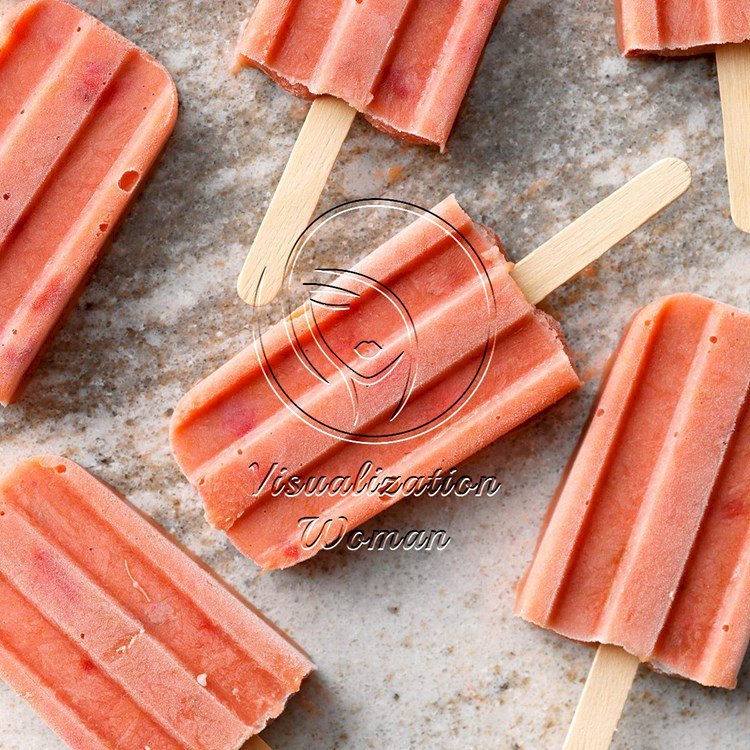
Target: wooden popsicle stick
x: 255, y: 743
x: 601, y: 228
x: 733, y: 63
x: 293, y: 204
x: 603, y: 698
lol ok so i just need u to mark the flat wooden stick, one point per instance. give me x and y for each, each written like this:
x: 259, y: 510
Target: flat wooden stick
x: 601, y: 228
x: 603, y: 698
x: 292, y: 206
x: 733, y: 63
x: 255, y: 743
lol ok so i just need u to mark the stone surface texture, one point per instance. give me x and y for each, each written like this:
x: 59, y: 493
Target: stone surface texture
x: 414, y: 649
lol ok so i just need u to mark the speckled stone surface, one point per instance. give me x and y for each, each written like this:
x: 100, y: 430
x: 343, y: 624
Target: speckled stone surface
x: 414, y: 649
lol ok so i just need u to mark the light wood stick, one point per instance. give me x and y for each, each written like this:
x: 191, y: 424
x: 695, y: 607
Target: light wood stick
x: 255, y: 743
x: 603, y: 698
x: 292, y: 206
x: 601, y: 228
x: 733, y: 62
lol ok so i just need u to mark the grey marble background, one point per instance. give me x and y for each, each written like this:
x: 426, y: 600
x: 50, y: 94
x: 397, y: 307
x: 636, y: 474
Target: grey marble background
x: 414, y: 650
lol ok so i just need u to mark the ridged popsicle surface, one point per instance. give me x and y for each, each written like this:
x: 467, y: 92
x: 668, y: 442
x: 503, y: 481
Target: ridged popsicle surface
x: 647, y: 542
x: 405, y: 64
x: 115, y: 635
x: 680, y: 27
x: 485, y: 361
x: 84, y: 115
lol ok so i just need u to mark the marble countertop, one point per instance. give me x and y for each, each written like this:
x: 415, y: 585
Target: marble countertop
x: 413, y: 649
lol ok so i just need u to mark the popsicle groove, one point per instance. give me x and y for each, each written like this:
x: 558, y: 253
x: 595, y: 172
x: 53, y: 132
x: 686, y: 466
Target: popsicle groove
x: 727, y: 571
x: 561, y: 580
x: 618, y: 606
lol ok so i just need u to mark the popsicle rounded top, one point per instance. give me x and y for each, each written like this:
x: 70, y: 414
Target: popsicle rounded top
x: 405, y: 65
x: 646, y: 544
x: 84, y: 116
x: 118, y: 637
x: 680, y: 27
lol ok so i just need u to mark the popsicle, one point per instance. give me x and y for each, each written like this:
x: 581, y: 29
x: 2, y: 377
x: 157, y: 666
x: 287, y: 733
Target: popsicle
x: 684, y: 27
x: 115, y: 635
x: 266, y: 408
x: 406, y: 66
x: 84, y: 115
x: 645, y: 546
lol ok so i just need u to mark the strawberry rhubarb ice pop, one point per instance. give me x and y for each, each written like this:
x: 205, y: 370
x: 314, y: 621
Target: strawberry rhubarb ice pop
x: 84, y: 115
x: 406, y: 66
x: 685, y: 27
x: 645, y: 546
x: 409, y: 363
x: 115, y: 635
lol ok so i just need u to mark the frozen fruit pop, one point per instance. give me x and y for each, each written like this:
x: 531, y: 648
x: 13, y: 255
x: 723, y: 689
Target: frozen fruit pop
x: 406, y: 66
x: 646, y: 544
x: 84, y: 115
x: 230, y: 430
x: 115, y: 635
x: 684, y: 27
x: 677, y: 27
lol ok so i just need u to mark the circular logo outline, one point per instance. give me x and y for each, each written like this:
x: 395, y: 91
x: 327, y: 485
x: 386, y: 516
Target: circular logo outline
x: 310, y: 231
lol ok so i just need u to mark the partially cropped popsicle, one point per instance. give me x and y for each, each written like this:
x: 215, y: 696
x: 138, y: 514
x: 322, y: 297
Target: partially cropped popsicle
x: 678, y: 27
x: 646, y: 545
x: 691, y: 27
x: 407, y: 364
x: 84, y: 115
x: 115, y: 635
x: 406, y: 66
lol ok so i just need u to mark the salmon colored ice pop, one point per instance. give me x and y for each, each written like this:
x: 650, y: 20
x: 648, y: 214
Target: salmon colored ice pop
x: 115, y: 635
x: 406, y: 66
x: 281, y: 402
x: 685, y: 27
x: 84, y: 115
x: 645, y: 546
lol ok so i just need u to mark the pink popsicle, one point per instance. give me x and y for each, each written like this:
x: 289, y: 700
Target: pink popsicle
x: 405, y: 65
x: 691, y: 27
x: 647, y: 542
x: 115, y: 635
x: 230, y: 430
x: 84, y: 115
x: 680, y: 27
